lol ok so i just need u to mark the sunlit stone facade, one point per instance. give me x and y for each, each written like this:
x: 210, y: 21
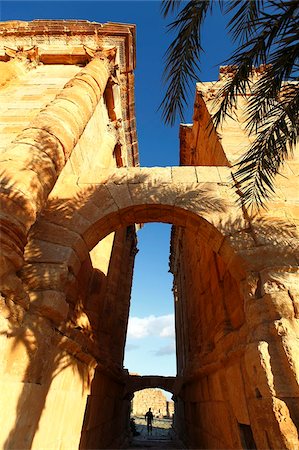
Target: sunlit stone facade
x: 71, y: 195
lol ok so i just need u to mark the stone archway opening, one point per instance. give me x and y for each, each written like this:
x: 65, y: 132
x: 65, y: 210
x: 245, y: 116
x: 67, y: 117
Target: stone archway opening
x: 216, y: 290
x: 71, y: 230
x: 159, y: 403
x: 63, y: 317
x: 150, y: 343
x: 158, y: 399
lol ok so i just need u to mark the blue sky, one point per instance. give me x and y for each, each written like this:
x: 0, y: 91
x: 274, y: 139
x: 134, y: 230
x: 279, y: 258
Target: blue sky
x: 150, y: 343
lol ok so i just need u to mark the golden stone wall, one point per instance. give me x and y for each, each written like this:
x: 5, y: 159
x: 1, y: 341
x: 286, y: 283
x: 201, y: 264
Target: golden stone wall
x: 71, y: 193
x: 67, y: 105
x: 154, y: 399
x: 238, y: 352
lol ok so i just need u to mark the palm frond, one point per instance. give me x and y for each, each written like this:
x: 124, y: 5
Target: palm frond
x: 243, y: 24
x: 268, y: 36
x: 275, y: 141
x: 169, y: 6
x: 263, y: 98
x: 271, y: 31
x: 182, y: 58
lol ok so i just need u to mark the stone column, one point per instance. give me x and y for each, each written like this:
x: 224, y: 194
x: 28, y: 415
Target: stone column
x: 32, y: 163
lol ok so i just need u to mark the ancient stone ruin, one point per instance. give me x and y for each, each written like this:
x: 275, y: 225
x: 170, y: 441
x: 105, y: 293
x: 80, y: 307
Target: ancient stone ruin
x: 154, y: 399
x: 72, y: 196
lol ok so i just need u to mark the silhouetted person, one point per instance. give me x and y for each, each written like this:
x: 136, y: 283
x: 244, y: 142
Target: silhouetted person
x: 149, y: 420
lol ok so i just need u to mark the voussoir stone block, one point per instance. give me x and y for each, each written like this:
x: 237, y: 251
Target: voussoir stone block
x: 104, y: 200
x: 50, y: 304
x: 120, y: 194
x: 42, y: 251
x: 44, y: 276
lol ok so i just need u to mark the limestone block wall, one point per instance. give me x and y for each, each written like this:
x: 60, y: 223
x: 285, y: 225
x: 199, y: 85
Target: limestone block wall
x: 25, y: 96
x: 61, y: 115
x: 238, y: 352
x: 154, y: 399
x: 208, y: 302
x: 201, y: 137
x: 210, y: 326
x: 107, y: 308
x: 109, y: 297
x: 106, y: 417
x: 43, y: 378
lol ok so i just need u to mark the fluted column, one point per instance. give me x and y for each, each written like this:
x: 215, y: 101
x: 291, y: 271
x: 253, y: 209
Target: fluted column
x: 31, y: 165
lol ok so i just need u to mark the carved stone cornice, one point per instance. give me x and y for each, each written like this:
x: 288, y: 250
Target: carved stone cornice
x: 78, y: 42
x: 72, y: 34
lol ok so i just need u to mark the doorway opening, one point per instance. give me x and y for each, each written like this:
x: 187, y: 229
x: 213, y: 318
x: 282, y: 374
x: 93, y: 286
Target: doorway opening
x: 152, y: 415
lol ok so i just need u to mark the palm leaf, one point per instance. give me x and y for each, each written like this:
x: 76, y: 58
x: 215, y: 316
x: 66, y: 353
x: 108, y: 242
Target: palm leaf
x: 169, y: 6
x: 268, y: 34
x: 182, y: 58
x: 274, y: 143
x: 242, y: 25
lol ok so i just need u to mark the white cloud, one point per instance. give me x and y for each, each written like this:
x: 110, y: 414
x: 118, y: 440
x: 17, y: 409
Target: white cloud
x: 130, y: 347
x: 166, y: 350
x: 159, y: 326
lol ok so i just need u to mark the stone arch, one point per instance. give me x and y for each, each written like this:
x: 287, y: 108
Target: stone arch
x: 260, y: 254
x: 138, y: 383
x: 200, y: 199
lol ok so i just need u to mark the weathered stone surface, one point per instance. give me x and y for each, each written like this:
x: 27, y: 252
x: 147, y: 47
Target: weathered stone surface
x: 67, y: 152
x: 50, y: 304
x: 154, y: 399
x: 40, y: 134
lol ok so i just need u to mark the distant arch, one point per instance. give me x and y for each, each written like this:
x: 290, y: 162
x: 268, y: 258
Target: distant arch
x: 137, y: 383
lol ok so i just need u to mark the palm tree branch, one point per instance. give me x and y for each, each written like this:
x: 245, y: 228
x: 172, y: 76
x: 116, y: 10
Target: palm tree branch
x: 169, y: 6
x: 243, y: 24
x: 273, y: 144
x: 255, y: 52
x: 182, y: 58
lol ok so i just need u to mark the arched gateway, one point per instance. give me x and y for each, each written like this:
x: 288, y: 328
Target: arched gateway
x: 138, y: 383
x: 71, y: 193
x: 197, y: 198
x: 200, y: 200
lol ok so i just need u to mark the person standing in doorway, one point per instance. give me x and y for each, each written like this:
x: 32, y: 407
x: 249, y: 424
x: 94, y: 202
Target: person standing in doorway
x: 149, y: 417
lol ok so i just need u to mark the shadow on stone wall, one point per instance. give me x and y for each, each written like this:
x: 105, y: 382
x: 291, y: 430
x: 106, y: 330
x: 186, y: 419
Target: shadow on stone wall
x: 37, y: 353
x: 38, y: 349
